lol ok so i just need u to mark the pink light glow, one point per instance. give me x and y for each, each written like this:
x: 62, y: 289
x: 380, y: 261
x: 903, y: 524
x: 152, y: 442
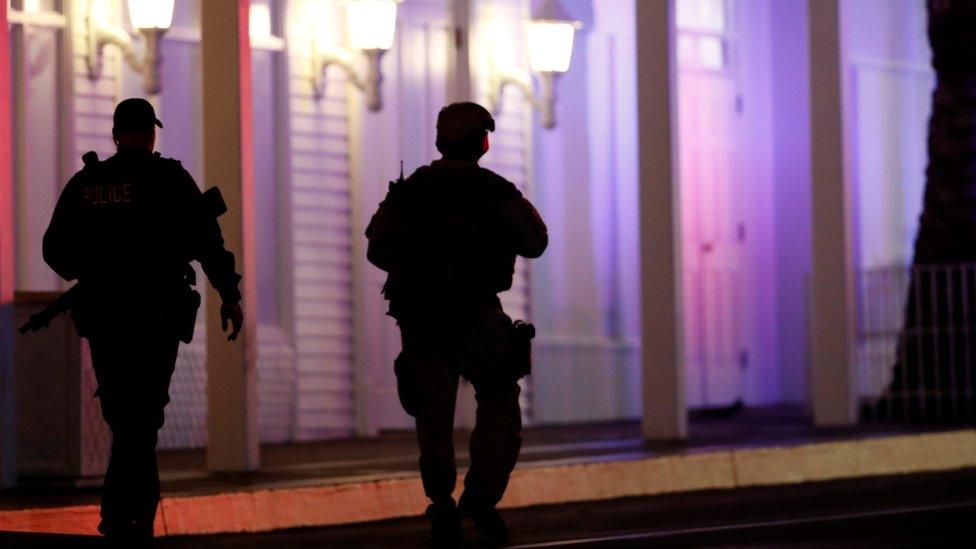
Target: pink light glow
x: 6, y: 168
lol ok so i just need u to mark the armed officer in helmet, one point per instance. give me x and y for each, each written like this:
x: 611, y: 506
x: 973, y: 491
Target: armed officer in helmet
x: 448, y: 236
x: 127, y: 228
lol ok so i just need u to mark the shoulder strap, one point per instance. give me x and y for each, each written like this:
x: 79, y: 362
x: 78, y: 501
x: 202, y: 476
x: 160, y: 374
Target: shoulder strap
x: 169, y: 163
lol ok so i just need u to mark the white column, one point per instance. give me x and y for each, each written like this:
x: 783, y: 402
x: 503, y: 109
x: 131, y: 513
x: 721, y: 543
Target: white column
x: 832, y: 296
x: 661, y: 349
x: 232, y: 406
x: 8, y: 424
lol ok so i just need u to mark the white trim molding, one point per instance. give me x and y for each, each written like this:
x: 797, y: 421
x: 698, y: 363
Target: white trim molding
x: 585, y: 378
x: 49, y: 19
x: 189, y: 35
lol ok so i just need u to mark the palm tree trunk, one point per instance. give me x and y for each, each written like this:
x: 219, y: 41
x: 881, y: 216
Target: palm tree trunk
x: 935, y: 367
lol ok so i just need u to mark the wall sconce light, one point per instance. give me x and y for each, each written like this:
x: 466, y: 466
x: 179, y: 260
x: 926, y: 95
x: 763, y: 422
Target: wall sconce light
x: 550, y: 44
x: 261, y: 29
x: 371, y: 25
x: 259, y: 21
x: 152, y: 18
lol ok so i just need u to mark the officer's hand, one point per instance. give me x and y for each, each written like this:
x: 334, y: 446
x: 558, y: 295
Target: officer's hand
x: 231, y: 312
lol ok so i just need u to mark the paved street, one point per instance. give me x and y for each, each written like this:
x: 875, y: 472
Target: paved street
x: 915, y: 511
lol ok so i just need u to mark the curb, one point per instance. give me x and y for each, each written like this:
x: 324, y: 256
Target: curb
x: 316, y: 506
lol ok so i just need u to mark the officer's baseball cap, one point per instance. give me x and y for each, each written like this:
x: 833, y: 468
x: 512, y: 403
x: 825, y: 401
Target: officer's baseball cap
x: 135, y: 114
x: 458, y: 121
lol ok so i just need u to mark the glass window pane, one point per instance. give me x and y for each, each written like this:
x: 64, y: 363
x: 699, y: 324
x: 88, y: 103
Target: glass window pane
x: 711, y: 52
x: 701, y: 15
x: 33, y: 6
x: 702, y: 52
x: 38, y: 179
x: 686, y: 51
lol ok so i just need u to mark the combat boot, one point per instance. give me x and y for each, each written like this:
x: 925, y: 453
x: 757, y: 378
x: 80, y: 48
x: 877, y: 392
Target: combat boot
x: 127, y: 535
x: 487, y: 521
x: 445, y: 525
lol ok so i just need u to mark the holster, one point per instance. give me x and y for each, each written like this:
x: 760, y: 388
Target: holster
x: 188, y: 303
x: 496, y: 348
x: 521, y: 334
x: 186, y: 316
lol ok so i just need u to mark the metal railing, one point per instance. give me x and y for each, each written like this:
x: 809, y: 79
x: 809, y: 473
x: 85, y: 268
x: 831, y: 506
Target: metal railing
x: 916, y: 343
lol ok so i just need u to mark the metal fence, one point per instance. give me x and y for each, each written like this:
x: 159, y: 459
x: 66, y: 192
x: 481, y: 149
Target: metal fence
x: 916, y: 343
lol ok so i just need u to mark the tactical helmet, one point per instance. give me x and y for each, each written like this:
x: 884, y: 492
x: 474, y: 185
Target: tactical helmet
x: 459, y: 123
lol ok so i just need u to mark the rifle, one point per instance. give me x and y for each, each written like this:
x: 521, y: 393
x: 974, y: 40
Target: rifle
x: 57, y: 307
x: 399, y: 179
x: 213, y: 202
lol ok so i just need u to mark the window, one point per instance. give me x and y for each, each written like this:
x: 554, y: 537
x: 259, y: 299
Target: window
x: 702, y: 15
x: 703, y: 37
x: 39, y: 173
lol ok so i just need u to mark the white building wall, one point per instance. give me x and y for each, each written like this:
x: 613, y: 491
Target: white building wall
x: 887, y: 105
x: 755, y: 192
x: 791, y: 176
x: 588, y: 306
x: 498, y: 36
x: 418, y: 79
x: 585, y: 298
x: 305, y: 343
x: 79, y: 119
x: 41, y: 81
x: 420, y: 76
x: 320, y: 374
x: 321, y: 210
x: 179, y: 107
x: 308, y: 364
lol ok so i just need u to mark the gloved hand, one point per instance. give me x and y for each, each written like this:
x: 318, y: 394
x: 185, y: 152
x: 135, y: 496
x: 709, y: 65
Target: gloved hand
x: 231, y: 312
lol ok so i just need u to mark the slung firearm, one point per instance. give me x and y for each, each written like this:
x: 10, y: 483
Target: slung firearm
x: 57, y: 307
x: 214, y: 204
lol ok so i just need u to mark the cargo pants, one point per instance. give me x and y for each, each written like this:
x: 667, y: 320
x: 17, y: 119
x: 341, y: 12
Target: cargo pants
x: 133, y: 365
x: 428, y: 372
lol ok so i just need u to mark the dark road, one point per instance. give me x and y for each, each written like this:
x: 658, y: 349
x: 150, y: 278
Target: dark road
x: 934, y: 510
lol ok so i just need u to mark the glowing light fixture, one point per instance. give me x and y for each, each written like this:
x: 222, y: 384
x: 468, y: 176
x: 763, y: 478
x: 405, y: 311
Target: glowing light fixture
x: 550, y: 43
x: 371, y: 26
x: 151, y: 14
x: 372, y: 23
x: 259, y: 21
x: 151, y: 18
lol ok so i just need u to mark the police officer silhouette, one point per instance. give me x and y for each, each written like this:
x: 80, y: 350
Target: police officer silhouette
x: 448, y: 237
x: 127, y: 228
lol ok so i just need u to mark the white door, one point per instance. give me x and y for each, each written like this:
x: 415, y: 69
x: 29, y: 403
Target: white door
x: 711, y: 232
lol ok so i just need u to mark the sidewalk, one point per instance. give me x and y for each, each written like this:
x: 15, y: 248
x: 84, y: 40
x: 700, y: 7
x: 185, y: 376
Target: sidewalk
x: 355, y: 480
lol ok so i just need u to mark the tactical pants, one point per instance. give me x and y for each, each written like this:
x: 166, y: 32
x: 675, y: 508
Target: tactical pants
x: 133, y: 365
x: 427, y: 372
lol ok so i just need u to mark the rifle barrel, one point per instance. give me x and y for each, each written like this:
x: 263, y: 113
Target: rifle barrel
x: 57, y: 307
